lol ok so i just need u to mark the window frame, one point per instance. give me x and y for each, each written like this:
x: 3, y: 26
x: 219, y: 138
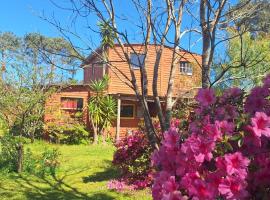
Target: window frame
x: 68, y: 97
x: 134, y: 66
x: 187, y: 69
x: 133, y: 109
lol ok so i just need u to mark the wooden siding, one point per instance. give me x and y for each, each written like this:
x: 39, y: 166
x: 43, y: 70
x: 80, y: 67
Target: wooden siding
x: 55, y: 113
x: 92, y: 71
x: 182, y: 82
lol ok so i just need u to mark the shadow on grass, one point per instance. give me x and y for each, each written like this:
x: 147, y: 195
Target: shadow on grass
x: 48, y: 188
x: 106, y: 175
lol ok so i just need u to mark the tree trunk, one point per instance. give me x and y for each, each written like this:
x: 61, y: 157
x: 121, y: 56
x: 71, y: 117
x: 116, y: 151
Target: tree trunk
x: 206, y: 45
x: 20, y: 158
x: 155, y: 91
x: 150, y: 130
x: 95, y: 136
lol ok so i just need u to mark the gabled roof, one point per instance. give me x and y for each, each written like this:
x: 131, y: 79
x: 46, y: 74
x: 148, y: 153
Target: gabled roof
x: 98, y: 51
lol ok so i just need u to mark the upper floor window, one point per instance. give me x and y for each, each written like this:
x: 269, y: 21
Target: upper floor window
x: 137, y: 60
x: 71, y: 103
x: 186, y: 68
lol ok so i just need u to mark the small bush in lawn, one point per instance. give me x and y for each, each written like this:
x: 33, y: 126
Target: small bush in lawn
x: 67, y: 133
x: 48, y: 162
x: 45, y: 164
x: 8, y: 153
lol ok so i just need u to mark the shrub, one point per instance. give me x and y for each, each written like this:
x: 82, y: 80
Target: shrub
x: 8, y: 153
x: 48, y: 162
x: 67, y: 133
x: 45, y: 164
x: 132, y: 157
x: 226, y: 154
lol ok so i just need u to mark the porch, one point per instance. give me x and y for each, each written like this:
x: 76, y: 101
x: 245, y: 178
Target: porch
x: 129, y: 115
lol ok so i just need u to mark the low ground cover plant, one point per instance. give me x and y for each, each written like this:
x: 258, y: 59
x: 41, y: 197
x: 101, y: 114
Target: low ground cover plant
x: 45, y: 163
x: 226, y: 154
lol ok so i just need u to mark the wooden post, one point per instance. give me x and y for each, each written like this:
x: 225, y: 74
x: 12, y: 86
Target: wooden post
x: 118, y: 118
x: 20, y: 158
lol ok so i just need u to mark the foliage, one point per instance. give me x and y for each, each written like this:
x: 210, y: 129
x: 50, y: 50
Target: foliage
x: 48, y: 163
x: 67, y: 133
x: 225, y: 156
x: 8, y: 153
x: 3, y: 127
x: 259, y: 22
x: 44, y: 164
x: 29, y: 64
x: 251, y: 54
x: 132, y: 158
x: 107, y: 34
x: 102, y: 108
x: 83, y: 174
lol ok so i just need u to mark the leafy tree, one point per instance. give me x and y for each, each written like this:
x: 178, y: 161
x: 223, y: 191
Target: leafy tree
x: 102, y: 108
x: 9, y: 44
x: 254, y: 64
x: 259, y: 22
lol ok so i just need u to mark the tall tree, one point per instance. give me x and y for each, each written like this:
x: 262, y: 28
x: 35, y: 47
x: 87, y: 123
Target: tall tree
x: 9, y: 44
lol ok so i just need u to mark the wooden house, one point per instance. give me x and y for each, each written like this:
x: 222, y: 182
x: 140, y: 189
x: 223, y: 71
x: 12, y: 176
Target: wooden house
x: 74, y: 98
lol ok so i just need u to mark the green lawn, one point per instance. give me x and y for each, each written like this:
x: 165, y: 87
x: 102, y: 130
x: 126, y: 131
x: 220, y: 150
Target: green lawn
x: 83, y: 174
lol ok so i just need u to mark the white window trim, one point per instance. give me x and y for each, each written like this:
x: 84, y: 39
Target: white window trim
x: 188, y: 72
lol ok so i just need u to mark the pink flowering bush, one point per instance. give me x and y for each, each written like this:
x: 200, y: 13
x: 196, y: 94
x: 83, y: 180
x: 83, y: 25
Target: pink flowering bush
x: 132, y: 158
x: 226, y: 154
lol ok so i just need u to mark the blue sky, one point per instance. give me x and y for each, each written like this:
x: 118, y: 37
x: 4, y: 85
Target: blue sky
x: 22, y: 16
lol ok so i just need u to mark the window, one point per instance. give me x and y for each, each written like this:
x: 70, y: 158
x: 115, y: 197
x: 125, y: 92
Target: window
x: 127, y: 111
x: 137, y: 60
x: 185, y: 68
x: 71, y: 103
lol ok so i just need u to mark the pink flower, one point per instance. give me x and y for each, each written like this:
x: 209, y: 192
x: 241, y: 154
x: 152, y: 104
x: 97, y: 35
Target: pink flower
x: 252, y: 142
x: 256, y: 101
x: 170, y: 185
x: 175, y: 123
x: 116, y: 185
x: 175, y: 195
x: 233, y: 188
x: 212, y: 131
x: 201, y: 190
x: 231, y: 94
x: 157, y: 188
x: 225, y: 127
x: 171, y: 138
x: 221, y: 165
x: 198, y: 147
x: 261, y: 124
x: 185, y: 164
x: 214, y: 179
x: 188, y: 179
x: 206, y: 97
x: 236, y: 164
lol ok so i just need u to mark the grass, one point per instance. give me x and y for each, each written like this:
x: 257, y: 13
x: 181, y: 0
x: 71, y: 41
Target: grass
x: 83, y: 174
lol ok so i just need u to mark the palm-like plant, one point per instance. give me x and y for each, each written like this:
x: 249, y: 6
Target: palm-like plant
x: 102, y: 108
